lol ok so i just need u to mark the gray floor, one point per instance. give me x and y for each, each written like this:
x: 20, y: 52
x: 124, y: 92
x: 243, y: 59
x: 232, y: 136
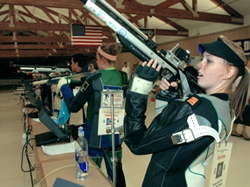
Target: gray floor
x: 11, y: 130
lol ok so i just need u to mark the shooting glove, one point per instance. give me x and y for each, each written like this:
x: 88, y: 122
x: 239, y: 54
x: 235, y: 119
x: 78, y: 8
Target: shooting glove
x: 147, y: 72
x: 142, y: 81
x: 62, y: 82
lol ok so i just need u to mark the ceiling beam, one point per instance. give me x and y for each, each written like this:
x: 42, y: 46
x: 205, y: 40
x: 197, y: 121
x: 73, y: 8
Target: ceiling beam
x: 4, y: 12
x: 46, y: 53
x: 37, y: 39
x: 132, y: 8
x: 165, y: 5
x: 171, y: 32
x: 48, y: 15
x: 189, y: 8
x: 227, y: 8
x: 76, y: 4
x: 36, y: 26
x: 136, y: 18
x: 194, y: 5
x: 12, y: 16
x: 35, y: 46
x: 30, y: 15
x: 173, y: 24
x: 49, y: 26
x: 43, y: 27
x: 187, y: 15
x: 43, y: 39
x: 52, y: 37
x: 128, y: 16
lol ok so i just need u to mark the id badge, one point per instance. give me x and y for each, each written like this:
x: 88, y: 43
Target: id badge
x: 220, y: 164
x: 117, y: 99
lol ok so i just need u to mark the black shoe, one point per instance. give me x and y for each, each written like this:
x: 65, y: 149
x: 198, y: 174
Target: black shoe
x: 30, y: 106
x: 33, y: 115
x: 246, y: 138
x: 236, y: 134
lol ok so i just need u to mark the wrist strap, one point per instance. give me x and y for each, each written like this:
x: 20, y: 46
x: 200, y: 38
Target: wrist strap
x: 141, y: 86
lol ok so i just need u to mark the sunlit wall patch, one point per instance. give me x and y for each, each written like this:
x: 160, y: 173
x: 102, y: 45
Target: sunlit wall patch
x: 123, y: 32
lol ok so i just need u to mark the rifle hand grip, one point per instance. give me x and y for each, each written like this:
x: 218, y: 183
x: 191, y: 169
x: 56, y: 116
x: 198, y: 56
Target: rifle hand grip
x: 171, y: 92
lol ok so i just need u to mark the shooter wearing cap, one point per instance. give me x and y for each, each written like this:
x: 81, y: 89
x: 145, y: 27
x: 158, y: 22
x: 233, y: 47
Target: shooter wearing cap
x: 180, y: 138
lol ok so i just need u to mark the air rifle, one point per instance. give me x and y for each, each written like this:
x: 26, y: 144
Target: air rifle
x: 38, y: 69
x: 139, y: 44
x: 74, y: 77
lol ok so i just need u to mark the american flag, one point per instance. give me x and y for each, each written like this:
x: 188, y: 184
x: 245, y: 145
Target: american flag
x: 86, y: 35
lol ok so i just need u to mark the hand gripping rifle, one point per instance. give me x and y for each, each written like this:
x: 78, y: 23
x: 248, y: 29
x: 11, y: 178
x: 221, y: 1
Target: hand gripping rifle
x: 140, y: 45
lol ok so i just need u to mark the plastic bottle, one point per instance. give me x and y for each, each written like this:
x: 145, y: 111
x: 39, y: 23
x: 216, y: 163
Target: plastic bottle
x: 55, y: 113
x: 55, y: 116
x: 81, y: 156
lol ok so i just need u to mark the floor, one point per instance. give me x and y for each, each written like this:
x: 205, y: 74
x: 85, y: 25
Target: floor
x: 11, y: 131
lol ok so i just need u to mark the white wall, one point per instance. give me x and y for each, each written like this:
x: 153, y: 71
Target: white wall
x: 209, y: 28
x: 217, y: 27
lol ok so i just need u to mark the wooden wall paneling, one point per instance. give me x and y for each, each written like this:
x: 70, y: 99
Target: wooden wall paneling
x: 192, y: 43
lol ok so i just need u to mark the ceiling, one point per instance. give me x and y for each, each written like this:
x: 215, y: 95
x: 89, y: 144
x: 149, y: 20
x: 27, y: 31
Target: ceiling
x: 31, y: 28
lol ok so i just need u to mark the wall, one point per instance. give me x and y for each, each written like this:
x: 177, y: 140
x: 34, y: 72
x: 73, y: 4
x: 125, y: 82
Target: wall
x: 217, y: 27
x: 126, y: 57
x: 192, y: 43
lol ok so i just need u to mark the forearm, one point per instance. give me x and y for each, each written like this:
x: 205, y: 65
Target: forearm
x: 74, y: 103
x: 136, y: 133
x: 134, y: 122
